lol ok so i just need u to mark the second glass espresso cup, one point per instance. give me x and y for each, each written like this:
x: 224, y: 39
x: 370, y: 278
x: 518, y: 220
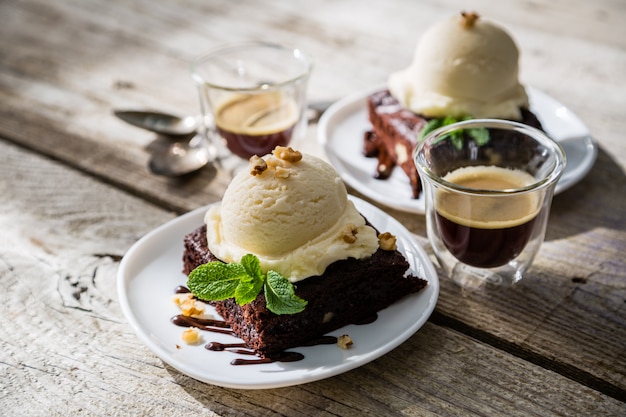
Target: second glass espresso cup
x: 488, y: 187
x: 253, y: 95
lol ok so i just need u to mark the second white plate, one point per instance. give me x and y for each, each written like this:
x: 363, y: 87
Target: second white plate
x: 342, y: 126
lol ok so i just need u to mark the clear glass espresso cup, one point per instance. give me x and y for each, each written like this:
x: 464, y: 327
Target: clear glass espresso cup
x: 253, y: 96
x: 488, y: 185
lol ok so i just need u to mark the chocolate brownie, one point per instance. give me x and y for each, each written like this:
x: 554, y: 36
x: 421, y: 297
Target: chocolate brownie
x: 350, y: 291
x: 395, y: 133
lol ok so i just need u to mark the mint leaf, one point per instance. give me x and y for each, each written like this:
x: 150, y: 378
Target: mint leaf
x: 453, y: 136
x: 480, y: 135
x: 248, y: 289
x: 250, y: 285
x: 215, y: 281
x: 280, y: 295
x: 431, y: 125
x: 253, y: 266
x: 448, y: 120
x: 456, y: 138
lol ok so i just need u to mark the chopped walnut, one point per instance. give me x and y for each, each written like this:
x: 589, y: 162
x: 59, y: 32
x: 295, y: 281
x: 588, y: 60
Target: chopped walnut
x: 192, y: 308
x: 178, y: 299
x: 468, y: 20
x: 273, y: 162
x: 257, y: 165
x: 191, y: 336
x: 387, y: 241
x: 349, y: 233
x: 287, y: 154
x: 282, y: 172
x: 188, y: 305
x: 345, y: 341
x: 279, y: 167
x: 402, y: 153
x: 328, y: 316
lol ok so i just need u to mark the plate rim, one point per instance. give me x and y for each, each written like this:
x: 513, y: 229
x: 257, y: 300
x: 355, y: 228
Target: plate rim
x: 355, y: 103
x: 125, y: 275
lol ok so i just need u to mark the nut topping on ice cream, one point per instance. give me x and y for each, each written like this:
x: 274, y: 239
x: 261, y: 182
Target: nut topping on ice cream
x: 387, y: 241
x: 469, y: 19
x: 463, y: 66
x: 257, y: 165
x: 292, y: 212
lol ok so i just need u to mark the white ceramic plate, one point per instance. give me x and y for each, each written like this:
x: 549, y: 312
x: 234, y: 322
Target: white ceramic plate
x: 151, y: 270
x: 342, y: 126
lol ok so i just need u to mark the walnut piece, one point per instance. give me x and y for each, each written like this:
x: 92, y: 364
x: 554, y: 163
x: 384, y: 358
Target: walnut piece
x: 387, y: 241
x: 188, y: 305
x: 192, y: 308
x: 349, y: 233
x: 287, y: 154
x: 273, y: 162
x: 191, y: 336
x: 402, y: 153
x: 282, y: 172
x: 328, y: 316
x: 468, y: 20
x: 257, y: 165
x: 344, y: 341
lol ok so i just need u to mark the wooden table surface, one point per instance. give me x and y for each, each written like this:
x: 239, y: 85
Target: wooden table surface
x: 76, y: 194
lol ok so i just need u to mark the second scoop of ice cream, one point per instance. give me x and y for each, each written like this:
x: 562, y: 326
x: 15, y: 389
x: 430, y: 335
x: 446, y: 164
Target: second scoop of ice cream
x: 463, y: 66
x: 293, y: 215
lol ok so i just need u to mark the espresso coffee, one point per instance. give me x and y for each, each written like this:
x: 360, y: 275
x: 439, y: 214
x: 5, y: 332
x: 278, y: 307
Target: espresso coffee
x: 254, y: 124
x: 486, y: 231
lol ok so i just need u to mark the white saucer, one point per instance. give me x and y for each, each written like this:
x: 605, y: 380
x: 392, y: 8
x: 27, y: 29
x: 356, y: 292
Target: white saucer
x: 342, y: 126
x: 151, y: 270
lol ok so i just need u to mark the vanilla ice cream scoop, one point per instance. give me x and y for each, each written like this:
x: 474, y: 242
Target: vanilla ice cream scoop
x: 292, y: 213
x: 463, y: 66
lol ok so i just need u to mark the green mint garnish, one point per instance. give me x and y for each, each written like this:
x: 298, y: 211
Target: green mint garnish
x: 480, y: 135
x: 432, y: 124
x: 280, y: 295
x: 216, y: 281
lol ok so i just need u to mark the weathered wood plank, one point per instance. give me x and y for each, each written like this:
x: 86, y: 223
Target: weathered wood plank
x: 66, y: 349
x: 571, y: 307
x: 65, y: 65
x: 91, y: 62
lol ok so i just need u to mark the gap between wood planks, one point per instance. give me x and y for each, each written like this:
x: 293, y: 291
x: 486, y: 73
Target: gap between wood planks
x: 564, y: 369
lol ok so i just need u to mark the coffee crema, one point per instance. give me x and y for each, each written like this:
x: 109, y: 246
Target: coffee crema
x: 254, y: 124
x: 486, y: 230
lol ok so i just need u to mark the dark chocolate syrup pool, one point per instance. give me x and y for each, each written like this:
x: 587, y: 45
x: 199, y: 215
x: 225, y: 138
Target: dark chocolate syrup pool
x: 219, y: 326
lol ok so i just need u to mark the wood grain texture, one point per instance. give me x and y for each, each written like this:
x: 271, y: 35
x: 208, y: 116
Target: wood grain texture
x: 67, y: 350
x: 65, y: 65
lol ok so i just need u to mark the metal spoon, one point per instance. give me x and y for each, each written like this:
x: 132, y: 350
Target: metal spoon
x: 172, y: 125
x: 183, y: 157
x: 315, y: 109
x: 180, y: 158
x: 161, y: 123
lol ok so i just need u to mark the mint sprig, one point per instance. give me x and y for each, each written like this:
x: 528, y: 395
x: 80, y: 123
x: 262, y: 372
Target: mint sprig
x: 280, y: 295
x: 243, y: 281
x: 480, y: 135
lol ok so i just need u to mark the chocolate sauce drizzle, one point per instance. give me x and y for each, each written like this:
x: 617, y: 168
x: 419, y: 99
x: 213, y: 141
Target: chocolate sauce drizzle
x: 220, y: 326
x: 216, y: 326
x: 181, y: 289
